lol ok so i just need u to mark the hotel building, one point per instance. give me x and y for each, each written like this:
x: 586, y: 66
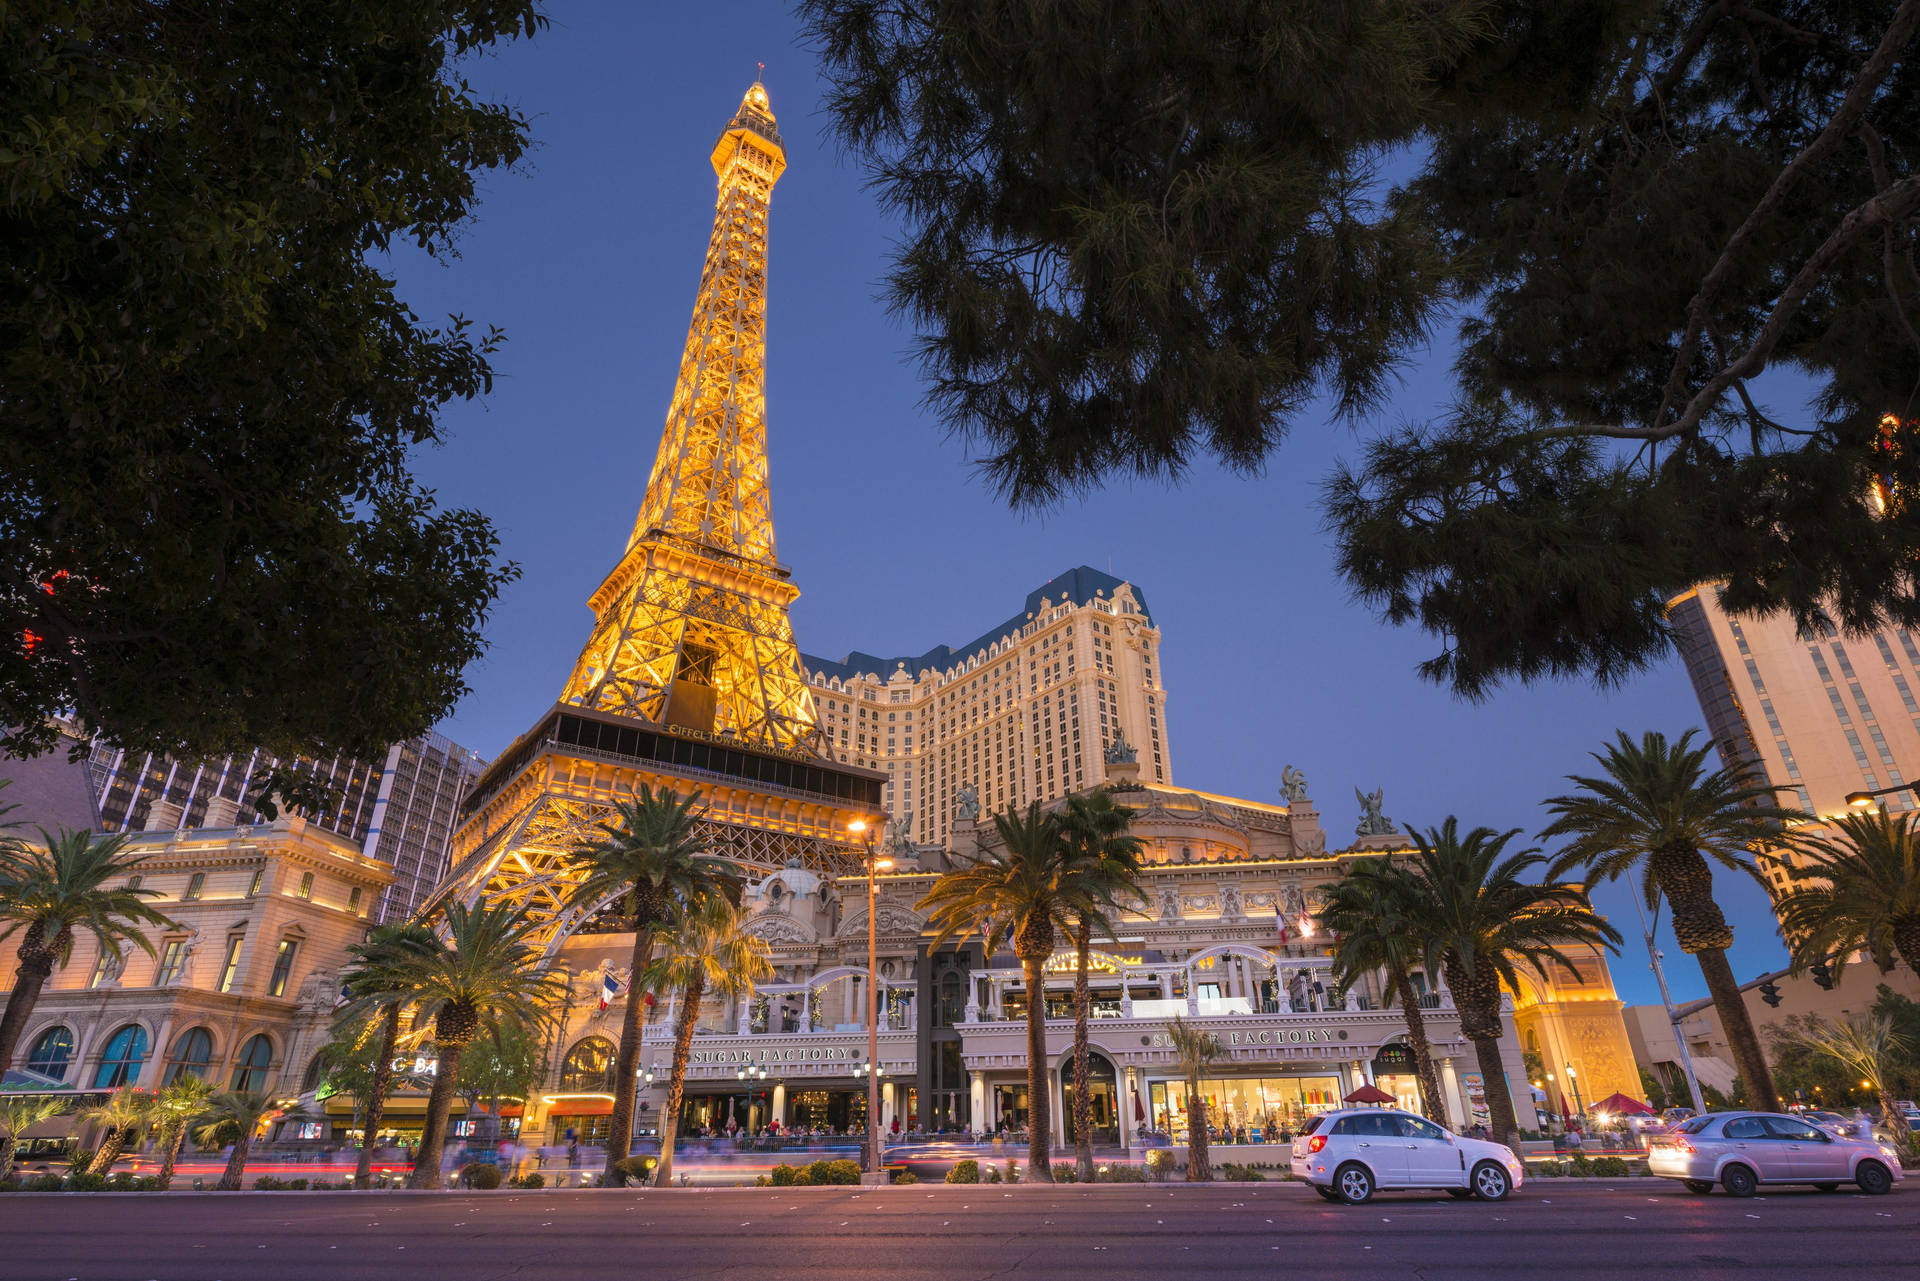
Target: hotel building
x: 1022, y: 713
x: 400, y: 811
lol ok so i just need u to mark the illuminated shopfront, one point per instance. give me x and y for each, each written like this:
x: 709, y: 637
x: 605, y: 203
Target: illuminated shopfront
x: 1264, y: 1107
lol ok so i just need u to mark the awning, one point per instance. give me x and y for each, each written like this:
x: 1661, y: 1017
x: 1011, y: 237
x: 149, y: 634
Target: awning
x: 579, y: 1107
x: 409, y: 1105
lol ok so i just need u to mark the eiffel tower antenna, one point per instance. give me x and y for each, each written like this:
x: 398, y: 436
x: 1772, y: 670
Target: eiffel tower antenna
x: 690, y: 680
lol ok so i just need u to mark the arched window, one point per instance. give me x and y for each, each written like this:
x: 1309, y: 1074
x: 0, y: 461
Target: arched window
x: 589, y: 1066
x: 120, y: 1063
x: 191, y: 1054
x: 51, y: 1054
x: 255, y: 1061
x: 316, y: 1072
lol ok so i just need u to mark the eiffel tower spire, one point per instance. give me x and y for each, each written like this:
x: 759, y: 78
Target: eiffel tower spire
x: 692, y: 626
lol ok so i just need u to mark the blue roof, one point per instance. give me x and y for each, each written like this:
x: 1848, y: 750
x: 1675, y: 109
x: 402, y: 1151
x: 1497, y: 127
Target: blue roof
x: 1082, y: 585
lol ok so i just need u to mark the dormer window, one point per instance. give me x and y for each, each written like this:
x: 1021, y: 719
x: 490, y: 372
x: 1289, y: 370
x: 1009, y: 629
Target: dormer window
x: 306, y: 886
x: 195, y: 885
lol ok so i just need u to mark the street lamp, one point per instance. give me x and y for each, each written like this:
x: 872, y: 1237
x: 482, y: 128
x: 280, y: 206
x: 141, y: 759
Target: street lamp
x: 1860, y: 800
x: 876, y: 863
x: 1579, y: 1108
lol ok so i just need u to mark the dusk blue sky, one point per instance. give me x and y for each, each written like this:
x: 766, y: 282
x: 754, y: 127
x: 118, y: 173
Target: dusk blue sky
x: 588, y: 257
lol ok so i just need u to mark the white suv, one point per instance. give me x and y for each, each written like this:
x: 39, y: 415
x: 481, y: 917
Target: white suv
x: 1350, y: 1154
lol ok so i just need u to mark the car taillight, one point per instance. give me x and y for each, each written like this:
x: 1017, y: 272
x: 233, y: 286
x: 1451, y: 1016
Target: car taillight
x: 1317, y: 1142
x: 1681, y: 1143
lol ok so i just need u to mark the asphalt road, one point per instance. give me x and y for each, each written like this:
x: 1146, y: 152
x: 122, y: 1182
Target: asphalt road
x: 1640, y: 1227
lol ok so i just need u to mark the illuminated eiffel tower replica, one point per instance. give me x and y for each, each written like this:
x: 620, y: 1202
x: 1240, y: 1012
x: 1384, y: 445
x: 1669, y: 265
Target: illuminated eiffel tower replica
x: 691, y: 678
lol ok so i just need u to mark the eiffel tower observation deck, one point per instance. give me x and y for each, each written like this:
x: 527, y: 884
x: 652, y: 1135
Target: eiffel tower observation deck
x: 691, y: 676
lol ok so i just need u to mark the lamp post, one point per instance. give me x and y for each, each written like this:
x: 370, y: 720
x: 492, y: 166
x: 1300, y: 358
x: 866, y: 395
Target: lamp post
x: 1861, y: 800
x: 876, y: 1164
x: 1666, y: 1001
x: 1579, y: 1108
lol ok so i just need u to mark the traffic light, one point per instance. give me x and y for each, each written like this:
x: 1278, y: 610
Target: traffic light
x: 1822, y: 975
x: 1770, y: 992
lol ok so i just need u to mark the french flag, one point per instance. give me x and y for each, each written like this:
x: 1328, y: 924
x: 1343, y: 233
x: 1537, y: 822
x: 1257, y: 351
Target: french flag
x: 1280, y: 919
x: 610, y: 987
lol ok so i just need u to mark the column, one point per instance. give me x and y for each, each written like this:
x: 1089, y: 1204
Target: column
x: 1129, y: 1085
x: 1058, y: 1104
x: 886, y: 1107
x: 780, y: 1103
x: 149, y: 1075
x: 1450, y: 1086
x: 977, y: 1100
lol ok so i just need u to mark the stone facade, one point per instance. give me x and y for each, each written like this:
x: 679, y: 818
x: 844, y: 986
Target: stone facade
x: 264, y: 918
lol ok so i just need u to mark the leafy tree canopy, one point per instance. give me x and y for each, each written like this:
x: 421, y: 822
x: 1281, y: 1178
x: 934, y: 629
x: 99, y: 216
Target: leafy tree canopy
x: 210, y: 539
x: 1148, y: 231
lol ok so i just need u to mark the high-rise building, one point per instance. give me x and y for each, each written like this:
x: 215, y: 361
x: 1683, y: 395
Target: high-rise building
x: 1024, y: 712
x: 690, y: 679
x: 1818, y: 716
x: 401, y: 811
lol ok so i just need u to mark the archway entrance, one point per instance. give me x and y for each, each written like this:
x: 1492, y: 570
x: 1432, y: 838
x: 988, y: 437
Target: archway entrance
x: 1103, y: 1095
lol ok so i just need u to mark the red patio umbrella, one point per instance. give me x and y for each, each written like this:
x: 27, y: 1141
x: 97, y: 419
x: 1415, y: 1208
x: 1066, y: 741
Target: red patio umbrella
x: 1369, y: 1094
x: 1621, y: 1105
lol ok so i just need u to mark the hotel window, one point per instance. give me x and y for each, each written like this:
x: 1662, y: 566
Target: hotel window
x: 230, y: 968
x: 191, y: 1056
x: 353, y: 901
x: 106, y: 969
x: 52, y: 1053
x: 133, y: 882
x: 195, y: 884
x: 172, y: 960
x: 259, y: 876
x: 306, y: 885
x: 255, y: 1062
x: 282, y: 967
x: 120, y: 1063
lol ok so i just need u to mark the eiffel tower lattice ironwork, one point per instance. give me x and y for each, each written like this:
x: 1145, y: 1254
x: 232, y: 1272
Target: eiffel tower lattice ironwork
x: 691, y: 677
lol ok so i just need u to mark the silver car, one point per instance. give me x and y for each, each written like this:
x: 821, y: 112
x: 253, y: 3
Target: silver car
x: 1742, y: 1150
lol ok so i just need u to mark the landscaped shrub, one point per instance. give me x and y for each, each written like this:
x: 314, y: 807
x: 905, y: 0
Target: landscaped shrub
x: 632, y: 1169
x: 993, y: 1174
x: 1579, y: 1164
x: 785, y: 1176
x: 828, y: 1173
x: 1611, y: 1167
x: 1120, y: 1174
x: 1066, y: 1172
x: 480, y: 1174
x: 904, y: 1176
x: 45, y: 1183
x: 1013, y: 1171
x: 1236, y: 1173
x: 1159, y: 1161
x: 267, y: 1183
x: 85, y: 1183
x: 964, y: 1172
x: 530, y: 1181
x: 79, y: 1160
x: 297, y: 1185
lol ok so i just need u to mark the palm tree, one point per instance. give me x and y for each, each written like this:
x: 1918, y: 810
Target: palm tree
x: 1367, y: 910
x: 483, y: 977
x: 379, y: 985
x: 122, y: 1115
x: 1013, y: 894
x: 706, y: 952
x: 1197, y: 1051
x: 235, y: 1113
x: 1474, y: 915
x: 1103, y: 878
x: 1861, y: 891
x: 54, y: 891
x: 174, y: 1110
x: 654, y: 857
x: 1660, y: 811
x: 1868, y: 1046
x: 18, y: 1112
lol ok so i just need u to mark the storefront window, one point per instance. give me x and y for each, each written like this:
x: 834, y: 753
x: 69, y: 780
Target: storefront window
x: 1263, y: 1108
x: 589, y: 1066
x: 586, y: 1129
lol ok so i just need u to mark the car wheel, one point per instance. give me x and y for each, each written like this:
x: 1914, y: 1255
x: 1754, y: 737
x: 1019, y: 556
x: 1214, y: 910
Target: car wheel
x: 1826, y: 1187
x: 1700, y: 1187
x: 1491, y: 1182
x: 1459, y: 1194
x: 1327, y: 1194
x: 1874, y: 1179
x: 1353, y: 1183
x: 1738, y: 1180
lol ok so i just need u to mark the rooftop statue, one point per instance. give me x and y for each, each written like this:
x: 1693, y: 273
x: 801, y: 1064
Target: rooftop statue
x: 967, y: 803
x: 1372, y: 821
x: 1293, y: 786
x: 1120, y: 751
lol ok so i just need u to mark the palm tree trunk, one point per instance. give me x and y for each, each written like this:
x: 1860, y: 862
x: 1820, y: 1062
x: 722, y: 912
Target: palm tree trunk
x: 1430, y: 1095
x: 1039, y: 1109
x: 176, y: 1139
x: 30, y: 976
x: 7, y: 1148
x: 1906, y: 941
x: 626, y: 1070
x: 1199, y: 1164
x: 1082, y: 1101
x: 1476, y: 994
x: 236, y: 1163
x: 1493, y: 1079
x: 112, y: 1143
x: 1738, y: 1025
x: 677, y: 1081
x: 433, y: 1138
x: 1896, y: 1122
x: 377, y: 1096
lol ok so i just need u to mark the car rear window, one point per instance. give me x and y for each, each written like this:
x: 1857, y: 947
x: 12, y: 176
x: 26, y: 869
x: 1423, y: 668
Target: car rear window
x: 1696, y: 1124
x: 1313, y: 1123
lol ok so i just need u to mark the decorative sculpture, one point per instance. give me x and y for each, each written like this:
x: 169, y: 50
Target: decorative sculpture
x: 1372, y: 821
x: 1120, y: 751
x: 967, y: 804
x: 1293, y: 786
